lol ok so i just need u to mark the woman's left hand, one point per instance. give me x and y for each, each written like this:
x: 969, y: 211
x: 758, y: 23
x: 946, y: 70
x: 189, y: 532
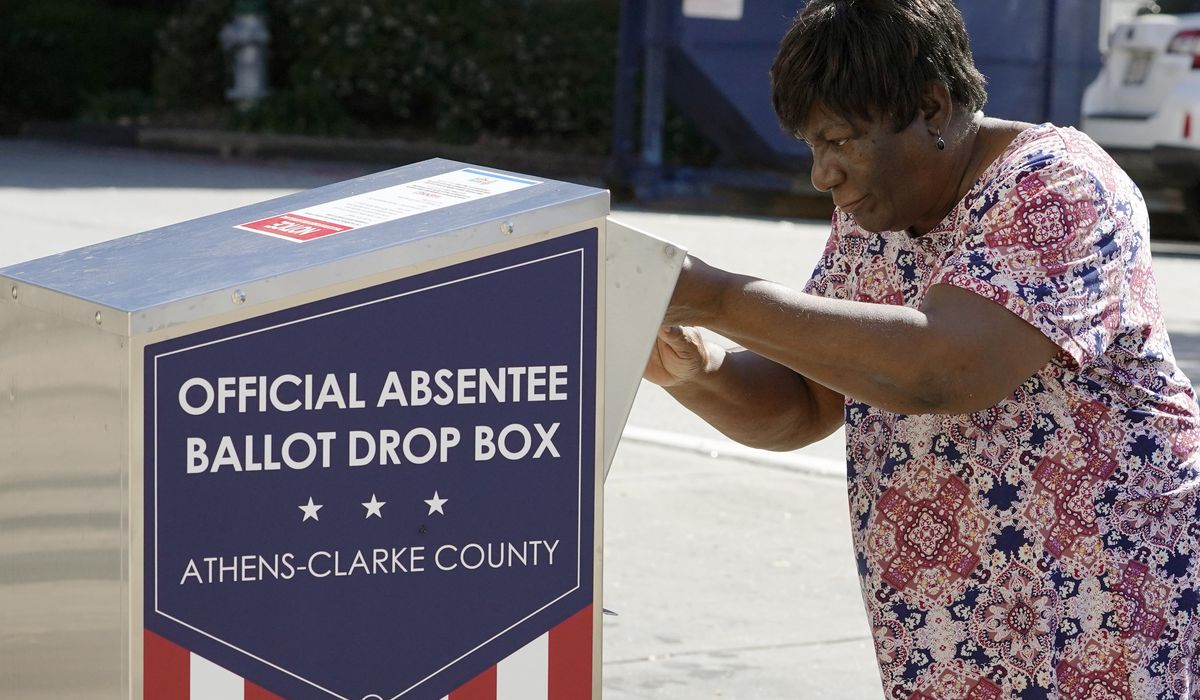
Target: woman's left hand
x: 680, y: 355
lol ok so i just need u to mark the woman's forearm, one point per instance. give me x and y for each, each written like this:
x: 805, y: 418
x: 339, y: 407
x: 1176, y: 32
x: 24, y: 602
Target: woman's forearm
x: 760, y: 403
x: 873, y: 352
x: 962, y: 354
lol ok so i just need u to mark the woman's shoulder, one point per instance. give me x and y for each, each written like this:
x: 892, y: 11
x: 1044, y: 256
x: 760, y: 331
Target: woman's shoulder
x: 1029, y: 147
x: 1053, y: 155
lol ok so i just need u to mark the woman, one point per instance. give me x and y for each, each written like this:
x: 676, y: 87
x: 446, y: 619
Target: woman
x: 1022, y: 448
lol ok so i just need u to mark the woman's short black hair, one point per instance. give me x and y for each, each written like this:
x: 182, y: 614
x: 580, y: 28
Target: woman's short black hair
x: 872, y: 59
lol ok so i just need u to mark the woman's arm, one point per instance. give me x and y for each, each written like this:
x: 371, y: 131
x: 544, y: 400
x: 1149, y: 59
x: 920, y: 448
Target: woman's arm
x: 958, y: 353
x: 747, y: 397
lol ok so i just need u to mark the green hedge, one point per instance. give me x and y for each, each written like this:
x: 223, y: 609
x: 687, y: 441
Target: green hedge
x: 462, y: 71
x: 532, y: 73
x: 58, y: 57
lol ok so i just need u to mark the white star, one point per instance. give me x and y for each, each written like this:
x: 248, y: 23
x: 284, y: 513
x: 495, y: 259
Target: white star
x: 436, y: 503
x: 373, y: 507
x: 310, y: 510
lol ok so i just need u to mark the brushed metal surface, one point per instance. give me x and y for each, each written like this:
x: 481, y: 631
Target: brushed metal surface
x: 64, y: 511
x: 189, y: 270
x: 640, y: 273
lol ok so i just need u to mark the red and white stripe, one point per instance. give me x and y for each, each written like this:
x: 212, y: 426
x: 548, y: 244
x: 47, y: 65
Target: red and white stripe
x: 171, y: 672
x: 555, y: 666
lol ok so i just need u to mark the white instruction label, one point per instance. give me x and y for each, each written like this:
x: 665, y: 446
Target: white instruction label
x: 713, y: 9
x: 388, y: 204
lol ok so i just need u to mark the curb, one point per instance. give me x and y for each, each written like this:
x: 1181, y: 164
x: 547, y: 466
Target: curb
x: 807, y: 465
x: 582, y: 169
x: 720, y: 190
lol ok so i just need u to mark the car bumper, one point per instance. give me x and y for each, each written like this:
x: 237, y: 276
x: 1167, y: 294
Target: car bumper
x: 1160, y: 166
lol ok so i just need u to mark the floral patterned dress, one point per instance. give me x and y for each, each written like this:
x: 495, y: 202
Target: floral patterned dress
x: 1049, y: 546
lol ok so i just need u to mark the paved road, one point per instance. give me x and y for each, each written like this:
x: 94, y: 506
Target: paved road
x: 730, y: 569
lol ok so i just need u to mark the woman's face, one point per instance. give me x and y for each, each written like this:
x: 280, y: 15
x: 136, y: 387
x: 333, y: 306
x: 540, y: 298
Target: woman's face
x: 888, y: 181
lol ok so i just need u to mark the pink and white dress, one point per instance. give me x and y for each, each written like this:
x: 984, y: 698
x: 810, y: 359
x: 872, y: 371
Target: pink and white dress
x: 1049, y: 546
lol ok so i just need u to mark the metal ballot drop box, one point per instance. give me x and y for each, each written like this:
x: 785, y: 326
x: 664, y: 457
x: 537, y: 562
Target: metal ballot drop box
x: 349, y: 443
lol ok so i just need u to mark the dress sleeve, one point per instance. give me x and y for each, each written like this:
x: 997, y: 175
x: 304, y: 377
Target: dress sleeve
x: 1050, y: 249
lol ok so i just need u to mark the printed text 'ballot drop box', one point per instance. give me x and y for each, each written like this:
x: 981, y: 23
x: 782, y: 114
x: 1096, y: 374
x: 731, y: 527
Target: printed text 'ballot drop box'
x: 349, y: 443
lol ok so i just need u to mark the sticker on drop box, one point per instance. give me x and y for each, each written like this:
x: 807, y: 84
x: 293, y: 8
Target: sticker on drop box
x: 387, y: 204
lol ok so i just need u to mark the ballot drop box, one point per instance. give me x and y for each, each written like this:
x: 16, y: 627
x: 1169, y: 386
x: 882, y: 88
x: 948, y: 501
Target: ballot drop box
x: 349, y: 443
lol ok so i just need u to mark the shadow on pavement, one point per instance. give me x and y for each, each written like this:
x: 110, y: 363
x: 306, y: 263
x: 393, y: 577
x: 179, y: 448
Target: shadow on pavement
x: 1187, y: 354
x: 49, y: 165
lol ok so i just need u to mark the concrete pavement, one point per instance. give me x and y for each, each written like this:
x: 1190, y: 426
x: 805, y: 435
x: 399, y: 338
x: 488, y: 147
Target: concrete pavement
x: 730, y: 569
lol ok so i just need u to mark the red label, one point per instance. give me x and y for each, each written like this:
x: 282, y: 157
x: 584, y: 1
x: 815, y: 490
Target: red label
x: 294, y: 227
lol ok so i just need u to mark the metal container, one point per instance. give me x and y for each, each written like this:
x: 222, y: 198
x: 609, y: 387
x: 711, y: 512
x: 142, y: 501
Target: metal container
x: 349, y: 443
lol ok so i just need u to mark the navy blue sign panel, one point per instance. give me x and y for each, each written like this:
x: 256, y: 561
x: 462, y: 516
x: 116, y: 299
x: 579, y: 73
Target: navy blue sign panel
x: 383, y: 493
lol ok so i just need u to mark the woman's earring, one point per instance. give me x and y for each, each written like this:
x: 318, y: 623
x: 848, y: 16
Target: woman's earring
x: 941, y: 143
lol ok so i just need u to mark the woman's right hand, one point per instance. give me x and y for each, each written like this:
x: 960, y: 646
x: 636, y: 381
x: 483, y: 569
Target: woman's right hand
x: 680, y: 354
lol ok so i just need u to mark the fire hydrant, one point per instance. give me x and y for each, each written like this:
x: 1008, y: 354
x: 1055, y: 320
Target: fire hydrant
x: 245, y: 42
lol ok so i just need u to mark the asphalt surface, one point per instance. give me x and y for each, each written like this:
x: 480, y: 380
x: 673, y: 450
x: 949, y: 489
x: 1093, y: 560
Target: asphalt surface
x: 730, y: 569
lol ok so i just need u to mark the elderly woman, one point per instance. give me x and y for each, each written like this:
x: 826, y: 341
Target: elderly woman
x: 1023, y: 451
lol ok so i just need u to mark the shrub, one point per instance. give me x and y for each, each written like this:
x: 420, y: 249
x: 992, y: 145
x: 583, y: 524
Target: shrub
x: 58, y: 55
x: 462, y: 71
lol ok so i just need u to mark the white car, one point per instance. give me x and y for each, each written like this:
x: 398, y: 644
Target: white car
x: 1144, y: 106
